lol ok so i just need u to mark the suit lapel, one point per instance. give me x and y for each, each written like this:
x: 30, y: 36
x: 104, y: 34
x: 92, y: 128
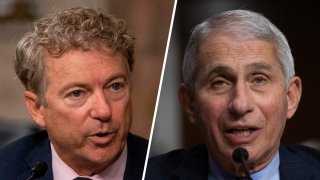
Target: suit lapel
x: 41, y: 152
x: 137, y: 150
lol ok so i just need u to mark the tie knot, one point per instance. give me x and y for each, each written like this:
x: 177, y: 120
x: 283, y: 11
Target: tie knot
x: 82, y: 178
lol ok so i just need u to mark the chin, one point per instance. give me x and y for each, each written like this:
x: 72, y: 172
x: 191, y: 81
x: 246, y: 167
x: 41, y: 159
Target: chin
x: 98, y: 161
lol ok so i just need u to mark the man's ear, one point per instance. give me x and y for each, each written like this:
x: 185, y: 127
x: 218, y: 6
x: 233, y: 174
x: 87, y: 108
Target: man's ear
x: 293, y: 95
x: 36, y: 110
x: 186, y: 101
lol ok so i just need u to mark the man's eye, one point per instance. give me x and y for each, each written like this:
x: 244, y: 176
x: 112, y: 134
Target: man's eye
x: 76, y: 93
x: 218, y: 83
x: 116, y: 86
x: 259, y: 80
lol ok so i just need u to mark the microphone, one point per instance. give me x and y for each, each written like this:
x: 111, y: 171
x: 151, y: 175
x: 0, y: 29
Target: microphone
x: 241, y: 155
x: 38, y: 170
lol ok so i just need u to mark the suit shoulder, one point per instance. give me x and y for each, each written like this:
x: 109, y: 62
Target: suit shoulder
x: 137, y: 139
x: 13, y: 155
x: 299, y: 162
x: 22, y: 145
x: 172, y: 158
x: 137, y: 143
x: 301, y: 150
x: 163, y: 166
x: 305, y: 153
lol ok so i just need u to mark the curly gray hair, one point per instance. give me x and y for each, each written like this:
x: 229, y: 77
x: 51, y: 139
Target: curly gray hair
x: 76, y: 28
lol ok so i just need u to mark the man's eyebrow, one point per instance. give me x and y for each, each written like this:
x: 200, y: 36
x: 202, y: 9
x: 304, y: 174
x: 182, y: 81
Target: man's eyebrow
x: 259, y: 66
x: 116, y: 76
x: 220, y: 69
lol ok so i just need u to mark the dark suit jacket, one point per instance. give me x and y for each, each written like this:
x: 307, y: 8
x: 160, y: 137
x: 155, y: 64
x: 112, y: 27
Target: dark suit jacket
x: 17, y: 159
x: 296, y: 162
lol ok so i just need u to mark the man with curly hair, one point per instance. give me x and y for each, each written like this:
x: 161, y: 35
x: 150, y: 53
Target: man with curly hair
x: 76, y: 68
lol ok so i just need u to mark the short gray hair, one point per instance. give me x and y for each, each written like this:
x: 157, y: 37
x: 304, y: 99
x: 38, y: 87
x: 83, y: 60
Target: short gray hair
x: 242, y: 24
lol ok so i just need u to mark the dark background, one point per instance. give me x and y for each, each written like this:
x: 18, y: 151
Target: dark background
x: 300, y: 22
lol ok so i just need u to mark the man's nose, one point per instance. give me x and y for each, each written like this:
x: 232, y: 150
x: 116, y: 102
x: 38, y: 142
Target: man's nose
x: 240, y: 101
x: 101, y: 107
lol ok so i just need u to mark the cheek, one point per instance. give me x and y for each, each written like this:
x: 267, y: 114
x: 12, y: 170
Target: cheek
x: 275, y: 111
x: 209, y: 113
x: 210, y: 108
x: 62, y: 122
x: 122, y: 115
x: 67, y: 116
x: 275, y: 106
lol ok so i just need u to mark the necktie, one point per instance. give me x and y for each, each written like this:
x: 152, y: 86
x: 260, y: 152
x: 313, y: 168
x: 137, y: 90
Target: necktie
x: 81, y: 178
x: 243, y: 178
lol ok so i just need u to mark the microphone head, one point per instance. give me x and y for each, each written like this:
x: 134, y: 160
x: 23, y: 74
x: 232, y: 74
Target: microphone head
x: 240, y: 153
x: 39, y: 169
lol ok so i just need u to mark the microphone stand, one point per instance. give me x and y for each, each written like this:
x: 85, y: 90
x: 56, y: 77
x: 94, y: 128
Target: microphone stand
x: 241, y: 155
x: 38, y: 170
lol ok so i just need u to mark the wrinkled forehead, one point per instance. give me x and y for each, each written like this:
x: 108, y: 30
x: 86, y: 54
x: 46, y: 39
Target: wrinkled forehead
x: 217, y: 48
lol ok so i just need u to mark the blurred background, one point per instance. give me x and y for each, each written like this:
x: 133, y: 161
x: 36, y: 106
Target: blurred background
x: 148, y: 21
x: 298, y: 20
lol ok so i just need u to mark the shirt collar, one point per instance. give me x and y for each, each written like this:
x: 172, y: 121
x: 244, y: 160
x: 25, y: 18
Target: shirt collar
x: 270, y: 172
x: 62, y: 171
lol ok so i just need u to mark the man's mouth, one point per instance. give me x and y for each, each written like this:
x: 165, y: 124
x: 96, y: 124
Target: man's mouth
x: 241, y: 132
x: 102, y: 134
x: 242, y: 135
x: 102, y: 138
